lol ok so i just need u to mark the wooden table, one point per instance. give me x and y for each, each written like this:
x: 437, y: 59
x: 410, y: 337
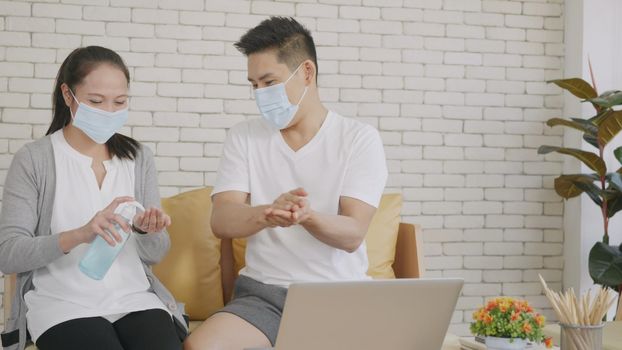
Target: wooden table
x: 451, y: 342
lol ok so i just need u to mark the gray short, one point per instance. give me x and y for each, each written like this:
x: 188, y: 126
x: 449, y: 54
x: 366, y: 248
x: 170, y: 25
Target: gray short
x: 259, y: 304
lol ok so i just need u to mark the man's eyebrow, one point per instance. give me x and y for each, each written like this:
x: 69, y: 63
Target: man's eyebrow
x: 262, y: 77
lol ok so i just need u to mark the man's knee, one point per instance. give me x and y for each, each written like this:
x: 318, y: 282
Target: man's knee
x: 224, y: 331
x: 205, y: 343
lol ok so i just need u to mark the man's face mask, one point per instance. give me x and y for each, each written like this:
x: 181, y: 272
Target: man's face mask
x: 274, y: 104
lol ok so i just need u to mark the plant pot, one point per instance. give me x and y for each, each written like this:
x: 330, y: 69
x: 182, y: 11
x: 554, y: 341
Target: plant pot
x: 494, y: 343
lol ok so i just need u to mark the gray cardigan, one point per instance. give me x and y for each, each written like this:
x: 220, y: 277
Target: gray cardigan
x: 26, y: 242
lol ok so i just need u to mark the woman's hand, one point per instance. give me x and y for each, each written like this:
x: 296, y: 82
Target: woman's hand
x: 102, y: 224
x: 152, y: 220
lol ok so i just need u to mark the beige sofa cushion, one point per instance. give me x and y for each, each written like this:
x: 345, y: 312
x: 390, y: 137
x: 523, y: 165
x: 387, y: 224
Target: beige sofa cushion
x: 191, y: 269
x: 381, y: 236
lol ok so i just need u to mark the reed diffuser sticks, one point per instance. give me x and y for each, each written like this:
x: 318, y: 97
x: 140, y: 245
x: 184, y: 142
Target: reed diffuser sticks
x: 580, y: 312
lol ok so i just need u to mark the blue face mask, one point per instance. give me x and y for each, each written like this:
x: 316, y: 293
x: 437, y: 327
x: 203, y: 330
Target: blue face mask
x: 274, y: 104
x: 97, y: 124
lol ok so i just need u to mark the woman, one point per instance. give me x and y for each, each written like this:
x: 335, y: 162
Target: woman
x: 61, y: 192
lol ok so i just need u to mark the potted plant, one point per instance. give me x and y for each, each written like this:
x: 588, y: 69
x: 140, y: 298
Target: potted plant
x: 602, y: 185
x: 508, y: 323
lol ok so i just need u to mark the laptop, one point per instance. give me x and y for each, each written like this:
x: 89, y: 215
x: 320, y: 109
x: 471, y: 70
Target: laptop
x: 368, y: 315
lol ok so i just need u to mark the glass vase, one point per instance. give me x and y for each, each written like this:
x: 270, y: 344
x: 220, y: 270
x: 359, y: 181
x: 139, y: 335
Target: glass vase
x: 581, y: 337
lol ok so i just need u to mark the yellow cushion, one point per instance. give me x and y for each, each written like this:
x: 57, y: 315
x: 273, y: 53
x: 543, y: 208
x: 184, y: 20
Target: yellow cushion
x: 191, y: 269
x: 381, y: 236
x: 381, y: 239
x: 239, y: 251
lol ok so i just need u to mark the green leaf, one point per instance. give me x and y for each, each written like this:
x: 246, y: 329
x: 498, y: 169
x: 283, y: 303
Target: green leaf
x: 590, y: 159
x: 618, y: 153
x: 591, y: 190
x: 614, y: 205
x: 607, y: 99
x: 547, y: 149
x: 571, y: 123
x: 591, y: 140
x: 576, y: 86
x: 600, y: 117
x: 615, y: 179
x: 605, y: 265
x: 565, y: 185
x: 609, y: 93
x: 610, y: 193
x: 609, y: 127
x: 591, y: 127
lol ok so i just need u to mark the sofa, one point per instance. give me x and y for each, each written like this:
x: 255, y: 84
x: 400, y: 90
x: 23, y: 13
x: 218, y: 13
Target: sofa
x: 200, y: 269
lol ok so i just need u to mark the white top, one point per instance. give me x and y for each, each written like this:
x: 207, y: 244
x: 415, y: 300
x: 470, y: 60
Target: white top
x: 345, y: 158
x: 61, y: 291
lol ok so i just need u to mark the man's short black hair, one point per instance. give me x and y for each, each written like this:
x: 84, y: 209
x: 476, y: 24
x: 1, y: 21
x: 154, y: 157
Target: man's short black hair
x: 291, y: 40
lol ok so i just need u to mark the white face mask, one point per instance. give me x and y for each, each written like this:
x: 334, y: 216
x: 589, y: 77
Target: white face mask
x: 98, y: 124
x: 274, y: 104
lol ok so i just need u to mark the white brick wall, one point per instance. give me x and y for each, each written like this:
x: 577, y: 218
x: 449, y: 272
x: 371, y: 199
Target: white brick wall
x: 456, y: 88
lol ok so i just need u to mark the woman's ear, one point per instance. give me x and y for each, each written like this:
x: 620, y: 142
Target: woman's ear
x: 66, y: 95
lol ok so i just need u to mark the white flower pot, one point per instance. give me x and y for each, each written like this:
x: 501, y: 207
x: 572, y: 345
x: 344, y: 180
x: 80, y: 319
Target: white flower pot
x: 494, y: 343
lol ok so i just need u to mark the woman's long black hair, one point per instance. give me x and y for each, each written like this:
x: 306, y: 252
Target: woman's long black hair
x: 74, y: 69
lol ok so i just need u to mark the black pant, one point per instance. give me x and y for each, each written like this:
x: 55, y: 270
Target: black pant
x: 142, y: 330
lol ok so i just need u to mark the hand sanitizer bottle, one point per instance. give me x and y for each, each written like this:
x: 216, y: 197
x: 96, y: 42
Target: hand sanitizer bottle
x: 100, y: 255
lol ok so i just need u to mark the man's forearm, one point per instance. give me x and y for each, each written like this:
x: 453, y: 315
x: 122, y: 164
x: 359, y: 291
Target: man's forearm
x: 339, y: 231
x: 233, y: 220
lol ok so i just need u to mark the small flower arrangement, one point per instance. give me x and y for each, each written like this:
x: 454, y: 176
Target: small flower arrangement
x: 505, y: 317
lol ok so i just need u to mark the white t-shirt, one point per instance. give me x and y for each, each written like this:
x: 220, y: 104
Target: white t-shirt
x: 61, y: 291
x: 345, y: 158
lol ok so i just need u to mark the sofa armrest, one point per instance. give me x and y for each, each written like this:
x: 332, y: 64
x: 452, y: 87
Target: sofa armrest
x: 7, y: 297
x: 227, y: 269
x: 619, y: 313
x: 409, y: 252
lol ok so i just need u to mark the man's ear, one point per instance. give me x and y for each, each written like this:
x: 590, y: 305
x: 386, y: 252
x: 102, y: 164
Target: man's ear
x: 310, y: 72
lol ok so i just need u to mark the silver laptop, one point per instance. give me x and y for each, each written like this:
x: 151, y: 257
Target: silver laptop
x: 368, y: 315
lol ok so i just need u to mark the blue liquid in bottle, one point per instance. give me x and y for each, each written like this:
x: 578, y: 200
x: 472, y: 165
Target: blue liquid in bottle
x: 100, y: 255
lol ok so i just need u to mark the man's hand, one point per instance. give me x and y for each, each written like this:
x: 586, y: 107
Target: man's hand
x: 345, y: 230
x: 291, y: 208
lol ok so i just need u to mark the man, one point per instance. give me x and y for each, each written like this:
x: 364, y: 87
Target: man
x: 301, y: 184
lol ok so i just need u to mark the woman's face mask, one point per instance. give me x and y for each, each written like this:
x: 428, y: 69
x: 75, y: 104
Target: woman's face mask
x: 274, y: 104
x: 98, y: 124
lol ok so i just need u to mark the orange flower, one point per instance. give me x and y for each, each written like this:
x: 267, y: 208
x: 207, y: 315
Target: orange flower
x: 504, y: 306
x: 548, y: 342
x: 508, y: 313
x: 479, y: 314
x: 523, y: 306
x: 527, y: 327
